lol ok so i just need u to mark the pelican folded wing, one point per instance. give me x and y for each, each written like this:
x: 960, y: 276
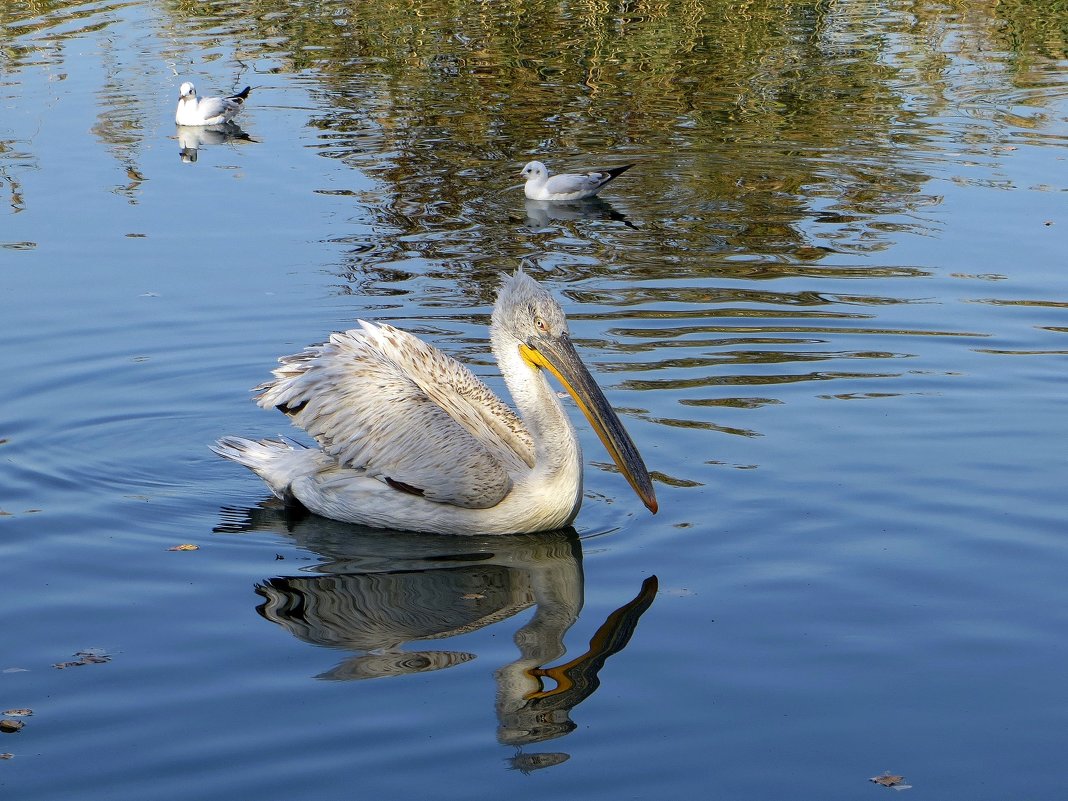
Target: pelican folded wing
x: 381, y: 401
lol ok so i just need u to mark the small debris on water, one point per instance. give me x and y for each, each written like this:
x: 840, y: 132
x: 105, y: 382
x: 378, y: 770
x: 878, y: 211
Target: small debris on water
x: 6, y: 756
x: 19, y: 713
x: 473, y: 596
x: 10, y: 726
x: 93, y: 657
x: 889, y: 780
x: 185, y: 547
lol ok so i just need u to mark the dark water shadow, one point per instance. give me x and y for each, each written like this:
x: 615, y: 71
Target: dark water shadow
x: 375, y: 592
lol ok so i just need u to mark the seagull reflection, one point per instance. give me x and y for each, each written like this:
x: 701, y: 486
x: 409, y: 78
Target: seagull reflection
x: 192, y: 137
x: 373, y: 594
x: 540, y: 213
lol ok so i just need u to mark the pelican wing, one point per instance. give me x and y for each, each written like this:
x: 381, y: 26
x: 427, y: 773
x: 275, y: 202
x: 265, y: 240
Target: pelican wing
x: 380, y: 400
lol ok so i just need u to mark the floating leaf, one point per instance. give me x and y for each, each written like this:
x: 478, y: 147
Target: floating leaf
x: 19, y: 713
x: 93, y: 657
x: 186, y: 547
x: 889, y: 780
x: 10, y: 726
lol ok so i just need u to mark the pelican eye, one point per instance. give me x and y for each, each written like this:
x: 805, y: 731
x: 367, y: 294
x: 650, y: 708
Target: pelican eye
x: 541, y: 325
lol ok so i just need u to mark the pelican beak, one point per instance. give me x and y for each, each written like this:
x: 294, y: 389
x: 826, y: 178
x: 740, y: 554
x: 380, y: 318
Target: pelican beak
x: 558, y: 356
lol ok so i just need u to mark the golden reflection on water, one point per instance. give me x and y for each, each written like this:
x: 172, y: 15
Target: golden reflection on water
x: 794, y: 129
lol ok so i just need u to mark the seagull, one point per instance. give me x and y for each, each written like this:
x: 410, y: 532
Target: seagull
x: 409, y: 438
x: 569, y: 186
x: 207, y: 110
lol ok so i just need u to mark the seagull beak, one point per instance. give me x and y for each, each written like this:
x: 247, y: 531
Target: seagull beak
x: 558, y: 356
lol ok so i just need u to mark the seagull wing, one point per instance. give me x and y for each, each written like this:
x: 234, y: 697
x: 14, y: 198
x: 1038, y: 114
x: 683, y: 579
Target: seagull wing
x: 380, y: 400
x: 211, y: 107
x: 575, y: 186
x: 571, y: 183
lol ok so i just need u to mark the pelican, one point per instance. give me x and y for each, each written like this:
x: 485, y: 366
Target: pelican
x: 568, y: 186
x: 207, y: 110
x: 411, y: 439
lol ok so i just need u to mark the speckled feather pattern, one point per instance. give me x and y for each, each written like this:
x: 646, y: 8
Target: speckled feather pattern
x: 380, y: 400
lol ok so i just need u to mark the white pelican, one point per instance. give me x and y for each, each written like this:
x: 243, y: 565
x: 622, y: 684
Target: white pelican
x: 569, y: 186
x: 411, y: 439
x: 207, y: 110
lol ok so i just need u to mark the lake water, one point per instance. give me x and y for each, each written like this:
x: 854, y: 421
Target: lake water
x: 830, y: 303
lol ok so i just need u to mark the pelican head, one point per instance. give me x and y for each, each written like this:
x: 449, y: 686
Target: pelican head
x: 526, y: 316
x: 535, y: 170
x: 187, y: 90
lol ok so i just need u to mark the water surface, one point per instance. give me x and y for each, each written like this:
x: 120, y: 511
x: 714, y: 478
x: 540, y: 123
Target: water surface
x: 829, y: 301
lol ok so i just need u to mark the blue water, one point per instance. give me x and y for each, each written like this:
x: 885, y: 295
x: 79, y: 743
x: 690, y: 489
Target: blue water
x: 835, y: 325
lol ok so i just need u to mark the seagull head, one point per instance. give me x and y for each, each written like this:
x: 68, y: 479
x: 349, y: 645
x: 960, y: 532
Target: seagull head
x: 187, y: 90
x: 535, y: 171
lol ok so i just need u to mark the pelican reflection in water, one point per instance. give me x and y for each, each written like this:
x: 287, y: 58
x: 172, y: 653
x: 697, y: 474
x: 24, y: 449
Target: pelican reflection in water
x: 411, y: 439
x: 374, y: 595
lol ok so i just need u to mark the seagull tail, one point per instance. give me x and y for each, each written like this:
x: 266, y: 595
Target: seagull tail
x: 615, y: 172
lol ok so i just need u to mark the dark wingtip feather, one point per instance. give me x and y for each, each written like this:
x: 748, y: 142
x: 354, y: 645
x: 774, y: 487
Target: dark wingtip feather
x: 403, y: 487
x: 292, y: 411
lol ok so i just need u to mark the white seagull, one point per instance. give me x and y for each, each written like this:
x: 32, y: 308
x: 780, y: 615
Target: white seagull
x: 207, y: 110
x: 411, y: 439
x: 568, y: 186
